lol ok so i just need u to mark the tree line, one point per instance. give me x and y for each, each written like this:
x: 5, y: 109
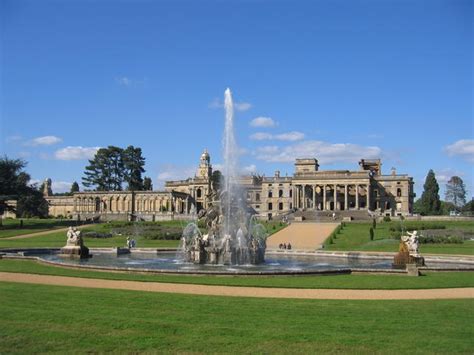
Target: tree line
x: 455, y: 197
x: 113, y: 167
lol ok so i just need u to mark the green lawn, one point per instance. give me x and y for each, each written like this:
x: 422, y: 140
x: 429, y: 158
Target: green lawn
x: 136, y: 231
x: 37, y: 318
x: 355, y: 237
x: 12, y: 227
x: 428, y: 280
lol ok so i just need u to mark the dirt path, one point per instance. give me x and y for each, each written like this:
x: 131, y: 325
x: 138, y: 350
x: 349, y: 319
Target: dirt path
x: 240, y: 291
x: 302, y: 235
x: 36, y: 234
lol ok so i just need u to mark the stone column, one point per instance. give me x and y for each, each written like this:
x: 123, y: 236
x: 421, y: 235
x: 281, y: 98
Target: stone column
x: 357, y: 196
x: 297, y: 190
x: 335, y: 197
x: 303, y: 192
x: 314, y: 197
x: 324, y: 197
x: 368, y: 196
x: 345, y: 197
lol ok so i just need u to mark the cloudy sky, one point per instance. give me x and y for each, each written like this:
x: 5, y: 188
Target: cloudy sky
x: 335, y: 80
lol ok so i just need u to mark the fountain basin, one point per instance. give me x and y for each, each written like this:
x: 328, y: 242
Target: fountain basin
x: 276, y: 263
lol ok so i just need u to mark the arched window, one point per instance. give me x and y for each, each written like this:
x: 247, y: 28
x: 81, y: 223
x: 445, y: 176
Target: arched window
x: 399, y: 192
x: 291, y: 193
x: 280, y: 193
x: 199, y: 193
x: 270, y: 194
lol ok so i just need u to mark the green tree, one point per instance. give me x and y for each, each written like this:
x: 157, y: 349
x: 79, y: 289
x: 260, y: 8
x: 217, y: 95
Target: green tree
x: 105, y: 171
x: 217, y: 180
x: 74, y: 187
x: 446, y: 207
x: 133, y: 163
x: 14, y: 185
x: 456, y: 192
x: 32, y: 204
x: 469, y: 207
x: 147, y: 184
x: 430, y: 202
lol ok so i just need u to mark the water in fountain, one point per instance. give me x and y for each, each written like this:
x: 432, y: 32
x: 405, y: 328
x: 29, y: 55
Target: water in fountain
x: 232, y: 236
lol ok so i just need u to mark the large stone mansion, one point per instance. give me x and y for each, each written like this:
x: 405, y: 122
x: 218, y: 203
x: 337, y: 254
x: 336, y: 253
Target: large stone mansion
x: 309, y: 189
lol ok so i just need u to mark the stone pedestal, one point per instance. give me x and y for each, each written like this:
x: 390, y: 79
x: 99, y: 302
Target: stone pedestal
x: 75, y: 251
x: 199, y: 257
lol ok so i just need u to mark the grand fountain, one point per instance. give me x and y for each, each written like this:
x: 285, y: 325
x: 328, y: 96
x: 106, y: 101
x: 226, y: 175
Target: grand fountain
x: 227, y: 239
x: 233, y: 236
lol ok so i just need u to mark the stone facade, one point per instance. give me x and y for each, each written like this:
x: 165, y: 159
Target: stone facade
x: 308, y: 189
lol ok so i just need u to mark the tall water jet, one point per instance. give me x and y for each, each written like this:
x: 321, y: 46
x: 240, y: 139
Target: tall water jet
x: 230, y: 162
x: 233, y: 236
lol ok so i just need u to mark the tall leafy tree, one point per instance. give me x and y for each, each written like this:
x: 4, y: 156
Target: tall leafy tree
x: 217, y: 180
x: 105, y: 171
x: 133, y: 163
x: 456, y: 192
x: 147, y: 184
x: 32, y: 204
x: 430, y: 202
x: 13, y: 181
x: 74, y: 187
x: 14, y: 185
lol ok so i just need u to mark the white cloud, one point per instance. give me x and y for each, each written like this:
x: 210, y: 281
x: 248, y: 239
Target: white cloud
x: 76, y: 153
x: 61, y: 186
x: 13, y: 139
x: 443, y: 175
x: 269, y: 149
x: 249, y: 169
x: 260, y: 136
x: 123, y: 80
x: 263, y: 122
x: 463, y: 148
x: 45, y: 140
x: 375, y: 136
x: 173, y: 172
x: 326, y: 153
x: 242, y: 106
x: 238, y: 106
x: 289, y: 136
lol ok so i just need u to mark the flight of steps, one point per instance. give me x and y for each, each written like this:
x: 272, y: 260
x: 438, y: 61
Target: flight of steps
x: 327, y: 216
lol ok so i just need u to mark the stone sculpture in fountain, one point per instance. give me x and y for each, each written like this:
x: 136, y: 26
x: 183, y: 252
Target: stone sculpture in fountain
x: 243, y: 243
x: 75, y: 245
x: 408, y: 253
x: 232, y: 234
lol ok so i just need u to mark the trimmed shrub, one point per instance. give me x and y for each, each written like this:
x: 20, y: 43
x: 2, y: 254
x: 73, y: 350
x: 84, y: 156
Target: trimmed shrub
x: 371, y: 232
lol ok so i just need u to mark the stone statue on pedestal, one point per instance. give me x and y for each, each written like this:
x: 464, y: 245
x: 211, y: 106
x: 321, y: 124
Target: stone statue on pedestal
x: 75, y: 245
x: 408, y: 252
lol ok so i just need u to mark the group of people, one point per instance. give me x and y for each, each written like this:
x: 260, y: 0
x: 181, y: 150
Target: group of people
x: 285, y: 246
x: 131, y: 243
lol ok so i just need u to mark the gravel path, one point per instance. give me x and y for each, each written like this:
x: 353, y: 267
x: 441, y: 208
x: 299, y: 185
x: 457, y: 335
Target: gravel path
x: 302, y: 235
x: 241, y: 291
x: 36, y: 234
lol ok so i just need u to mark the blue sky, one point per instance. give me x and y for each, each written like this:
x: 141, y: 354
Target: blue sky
x: 335, y: 80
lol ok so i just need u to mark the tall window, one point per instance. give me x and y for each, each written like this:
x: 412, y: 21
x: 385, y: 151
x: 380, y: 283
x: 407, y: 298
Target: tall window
x: 257, y: 197
x: 399, y: 192
x: 270, y: 194
x: 270, y: 206
x: 280, y: 193
x: 280, y: 206
x: 199, y: 193
x: 291, y: 193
